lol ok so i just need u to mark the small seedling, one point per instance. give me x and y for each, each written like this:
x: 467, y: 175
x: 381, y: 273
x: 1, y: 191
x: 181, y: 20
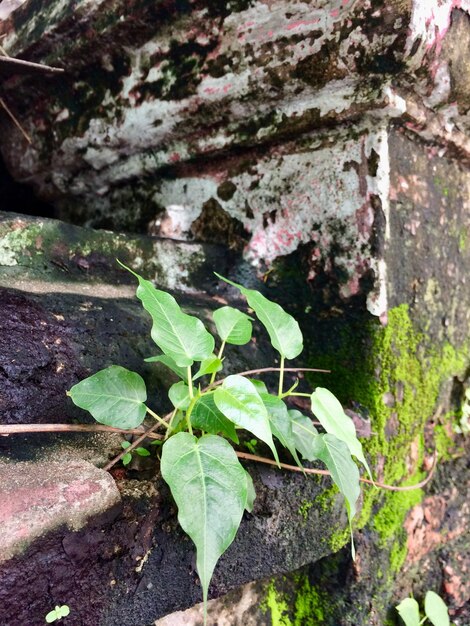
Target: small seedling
x: 57, y: 614
x: 127, y: 458
x: 435, y: 611
x: 208, y: 483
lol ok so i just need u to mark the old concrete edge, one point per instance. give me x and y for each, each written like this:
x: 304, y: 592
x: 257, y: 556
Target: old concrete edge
x: 39, y: 498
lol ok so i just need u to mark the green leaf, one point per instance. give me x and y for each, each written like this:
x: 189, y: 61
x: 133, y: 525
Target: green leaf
x: 282, y: 328
x: 169, y: 362
x: 142, y: 451
x: 409, y: 611
x: 259, y: 385
x: 336, y: 456
x: 281, y: 424
x: 51, y: 616
x: 207, y: 417
x: 125, y: 444
x: 127, y: 458
x: 250, y: 493
x: 436, y: 609
x: 114, y: 396
x: 209, y: 366
x: 209, y: 486
x: 182, y: 337
x: 233, y: 326
x: 305, y: 434
x: 179, y: 395
x: 327, y: 408
x: 238, y: 400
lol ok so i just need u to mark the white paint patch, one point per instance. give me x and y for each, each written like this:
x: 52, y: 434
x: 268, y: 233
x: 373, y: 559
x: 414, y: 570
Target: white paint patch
x: 8, y: 6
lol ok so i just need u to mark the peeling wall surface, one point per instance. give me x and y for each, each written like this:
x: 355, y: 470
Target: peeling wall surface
x: 317, y: 150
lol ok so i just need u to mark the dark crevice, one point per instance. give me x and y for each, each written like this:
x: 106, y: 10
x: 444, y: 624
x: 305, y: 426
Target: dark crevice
x: 20, y: 198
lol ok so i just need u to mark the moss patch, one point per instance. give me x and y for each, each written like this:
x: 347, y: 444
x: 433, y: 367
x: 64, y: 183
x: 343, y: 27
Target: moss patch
x: 294, y: 602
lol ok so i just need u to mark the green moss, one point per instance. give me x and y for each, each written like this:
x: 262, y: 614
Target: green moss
x: 294, y: 602
x: 395, y: 373
x: 339, y: 539
x: 325, y: 500
x: 304, y: 508
x: 276, y: 605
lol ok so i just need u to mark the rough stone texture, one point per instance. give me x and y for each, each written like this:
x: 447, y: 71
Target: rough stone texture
x: 36, y: 499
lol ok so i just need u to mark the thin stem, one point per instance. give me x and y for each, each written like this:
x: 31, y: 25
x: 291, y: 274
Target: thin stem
x: 157, y: 417
x: 219, y: 356
x: 15, y: 121
x: 298, y: 395
x: 23, y: 429
x: 306, y: 470
x: 188, y: 415
x: 271, y: 369
x: 281, y: 377
x: 190, y: 382
x: 35, y: 428
x: 170, y: 424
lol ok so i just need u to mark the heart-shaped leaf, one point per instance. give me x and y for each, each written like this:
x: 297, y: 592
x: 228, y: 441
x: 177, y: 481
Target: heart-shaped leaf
x: 305, y: 434
x: 436, y: 609
x: 207, y: 417
x: 409, y: 612
x: 259, y: 385
x: 182, y: 337
x: 233, y: 326
x: 179, y: 395
x: 170, y: 363
x: 209, y: 366
x: 209, y: 486
x: 282, y: 328
x: 327, y: 408
x: 336, y: 456
x: 114, y: 396
x: 238, y: 400
x: 281, y: 423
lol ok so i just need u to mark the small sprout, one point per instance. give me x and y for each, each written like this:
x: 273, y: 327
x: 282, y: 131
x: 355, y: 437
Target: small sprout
x: 127, y: 458
x: 142, y: 451
x: 251, y: 445
x: 57, y: 613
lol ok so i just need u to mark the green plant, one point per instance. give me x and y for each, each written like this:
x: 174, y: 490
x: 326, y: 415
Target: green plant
x: 57, y: 613
x: 127, y: 458
x: 434, y: 608
x: 208, y: 483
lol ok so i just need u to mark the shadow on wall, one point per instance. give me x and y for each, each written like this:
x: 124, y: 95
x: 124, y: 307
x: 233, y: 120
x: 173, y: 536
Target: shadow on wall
x: 20, y: 198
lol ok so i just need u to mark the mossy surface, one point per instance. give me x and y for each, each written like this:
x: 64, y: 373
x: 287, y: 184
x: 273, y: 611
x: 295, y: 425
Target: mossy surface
x: 294, y: 602
x: 395, y: 373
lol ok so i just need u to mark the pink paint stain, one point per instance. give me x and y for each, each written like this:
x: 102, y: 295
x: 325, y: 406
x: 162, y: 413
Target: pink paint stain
x: 175, y: 157
x: 227, y: 87
x: 302, y: 23
x: 334, y: 13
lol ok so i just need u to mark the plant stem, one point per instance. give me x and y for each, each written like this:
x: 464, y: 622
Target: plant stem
x: 190, y: 382
x: 299, y: 395
x: 170, y: 424
x: 281, y: 377
x: 157, y: 417
x: 188, y: 414
x: 35, y: 428
x: 307, y: 470
x: 219, y: 356
x: 23, y: 429
x: 271, y: 369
